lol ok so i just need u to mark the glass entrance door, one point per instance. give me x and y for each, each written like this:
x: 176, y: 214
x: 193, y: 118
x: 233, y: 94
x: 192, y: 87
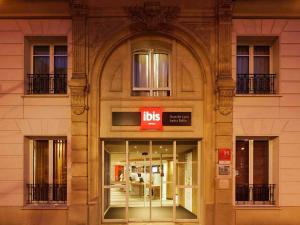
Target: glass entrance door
x: 139, y: 181
x: 150, y: 180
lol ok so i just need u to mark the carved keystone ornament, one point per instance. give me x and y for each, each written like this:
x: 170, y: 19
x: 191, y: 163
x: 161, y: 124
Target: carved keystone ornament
x: 152, y: 16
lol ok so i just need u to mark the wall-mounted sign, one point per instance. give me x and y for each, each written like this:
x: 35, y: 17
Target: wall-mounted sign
x: 135, y: 118
x: 151, y: 118
x: 126, y: 118
x: 223, y: 170
x: 224, y: 155
x: 177, y: 118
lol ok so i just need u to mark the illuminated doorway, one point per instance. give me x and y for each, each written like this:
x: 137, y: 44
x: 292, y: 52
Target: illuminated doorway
x: 150, y: 180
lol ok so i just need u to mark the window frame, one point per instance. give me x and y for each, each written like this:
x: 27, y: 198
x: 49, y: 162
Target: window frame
x: 151, y: 89
x: 252, y: 55
x: 29, y: 172
x: 50, y: 83
x: 271, y: 171
x: 51, y: 55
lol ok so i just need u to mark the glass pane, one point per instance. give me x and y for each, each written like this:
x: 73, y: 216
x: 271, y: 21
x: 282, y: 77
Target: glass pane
x: 161, y: 71
x: 187, y: 203
x: 185, y: 147
x: 242, y: 171
x: 60, y: 64
x: 187, y: 163
x: 41, y: 162
x: 242, y: 50
x: 41, y: 50
x: 243, y: 65
x: 114, y: 163
x: 261, y: 50
x: 60, y: 50
x: 162, y: 180
x: 140, y: 93
x: 261, y: 162
x: 114, y: 200
x: 59, y: 162
x: 139, y: 180
x: 161, y: 93
x: 261, y: 64
x: 141, y: 71
x: 41, y: 64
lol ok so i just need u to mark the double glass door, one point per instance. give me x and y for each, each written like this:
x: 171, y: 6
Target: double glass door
x: 150, y: 180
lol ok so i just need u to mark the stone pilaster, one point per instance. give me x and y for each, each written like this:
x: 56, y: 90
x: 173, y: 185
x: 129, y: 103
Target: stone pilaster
x: 78, y: 210
x: 224, y: 213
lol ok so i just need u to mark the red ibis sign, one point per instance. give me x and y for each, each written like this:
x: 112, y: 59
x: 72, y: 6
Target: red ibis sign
x: 151, y: 118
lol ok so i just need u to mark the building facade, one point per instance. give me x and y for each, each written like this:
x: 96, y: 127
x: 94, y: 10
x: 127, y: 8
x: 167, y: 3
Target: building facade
x: 117, y: 112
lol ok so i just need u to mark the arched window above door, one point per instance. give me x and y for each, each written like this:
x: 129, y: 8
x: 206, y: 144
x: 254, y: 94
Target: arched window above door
x: 151, y: 73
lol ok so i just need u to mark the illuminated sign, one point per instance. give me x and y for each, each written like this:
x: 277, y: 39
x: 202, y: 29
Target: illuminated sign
x: 151, y: 118
x: 224, y: 155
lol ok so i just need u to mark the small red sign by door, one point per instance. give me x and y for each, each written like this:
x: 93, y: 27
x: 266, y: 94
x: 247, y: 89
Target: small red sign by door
x: 151, y: 118
x: 224, y: 155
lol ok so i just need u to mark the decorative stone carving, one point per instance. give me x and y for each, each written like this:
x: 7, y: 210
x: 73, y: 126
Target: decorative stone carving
x: 224, y: 37
x: 225, y: 11
x: 79, y: 90
x: 78, y: 9
x: 79, y: 12
x: 152, y: 16
x: 225, y: 100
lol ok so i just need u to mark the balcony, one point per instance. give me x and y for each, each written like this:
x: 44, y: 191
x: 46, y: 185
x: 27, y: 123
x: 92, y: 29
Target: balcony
x: 255, y: 194
x: 255, y: 84
x: 46, y: 193
x: 46, y: 84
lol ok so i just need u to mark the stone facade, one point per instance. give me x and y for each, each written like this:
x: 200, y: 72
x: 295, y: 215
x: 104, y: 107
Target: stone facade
x: 202, y: 36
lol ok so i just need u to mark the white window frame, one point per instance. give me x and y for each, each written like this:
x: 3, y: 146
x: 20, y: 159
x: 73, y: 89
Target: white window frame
x: 31, y: 178
x: 51, y: 55
x: 251, y: 56
x: 251, y: 160
x: 151, y: 89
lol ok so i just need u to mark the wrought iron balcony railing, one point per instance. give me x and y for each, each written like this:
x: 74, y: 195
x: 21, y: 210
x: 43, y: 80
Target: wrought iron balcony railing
x: 255, y: 194
x: 255, y: 84
x: 46, y: 84
x: 46, y: 193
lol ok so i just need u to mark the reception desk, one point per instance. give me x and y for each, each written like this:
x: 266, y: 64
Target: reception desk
x: 137, y: 189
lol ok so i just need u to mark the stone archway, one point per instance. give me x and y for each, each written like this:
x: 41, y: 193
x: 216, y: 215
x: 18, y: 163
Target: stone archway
x: 85, y: 117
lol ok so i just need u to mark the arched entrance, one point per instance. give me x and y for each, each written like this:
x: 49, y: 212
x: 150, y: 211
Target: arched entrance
x: 149, y: 184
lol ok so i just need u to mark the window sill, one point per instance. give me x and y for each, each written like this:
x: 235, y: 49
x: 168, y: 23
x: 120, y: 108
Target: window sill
x: 255, y: 206
x: 46, y: 96
x: 258, y: 95
x: 45, y: 206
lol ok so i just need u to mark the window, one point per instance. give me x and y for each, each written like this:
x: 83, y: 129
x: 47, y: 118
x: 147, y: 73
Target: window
x: 47, y: 171
x: 151, y: 73
x: 254, y: 175
x: 254, y: 70
x: 48, y: 70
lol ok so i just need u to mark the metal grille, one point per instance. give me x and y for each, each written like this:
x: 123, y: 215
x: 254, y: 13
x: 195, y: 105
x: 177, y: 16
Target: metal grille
x: 46, y: 193
x: 46, y: 84
x: 255, y: 84
x: 255, y: 193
